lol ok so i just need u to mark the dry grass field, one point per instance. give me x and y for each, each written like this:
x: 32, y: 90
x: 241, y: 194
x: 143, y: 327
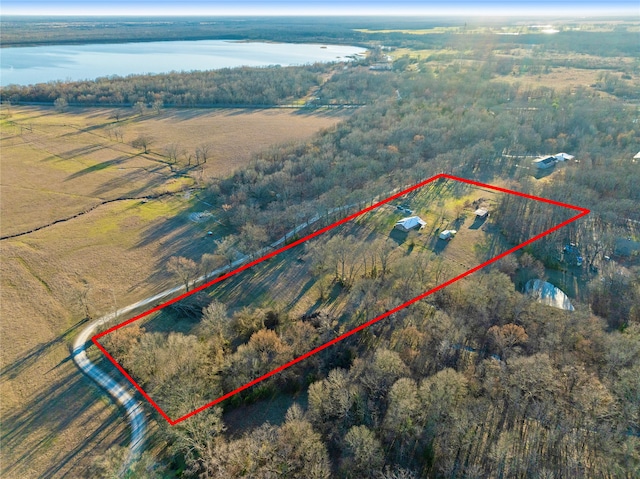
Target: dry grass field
x: 56, y: 165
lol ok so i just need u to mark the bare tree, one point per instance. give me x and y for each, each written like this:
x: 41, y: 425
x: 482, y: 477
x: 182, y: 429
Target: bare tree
x: 226, y: 248
x: 252, y: 237
x: 184, y: 268
x: 61, y: 104
x: 210, y: 262
x: 117, y: 114
x: 118, y: 132
x: 6, y: 108
x: 365, y: 452
x: 384, y: 248
x: 143, y: 142
x: 203, y: 152
x: 172, y: 151
x: 139, y: 108
x: 507, y: 337
x: 157, y: 105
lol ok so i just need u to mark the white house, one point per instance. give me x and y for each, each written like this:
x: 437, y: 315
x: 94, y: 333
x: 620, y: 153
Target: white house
x: 409, y: 223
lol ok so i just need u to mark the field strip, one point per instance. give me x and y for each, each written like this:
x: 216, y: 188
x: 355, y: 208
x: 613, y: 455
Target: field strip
x: 88, y: 210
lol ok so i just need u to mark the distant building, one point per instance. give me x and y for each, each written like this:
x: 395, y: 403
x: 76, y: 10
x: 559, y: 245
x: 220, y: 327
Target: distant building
x: 410, y: 223
x: 381, y: 66
x: 550, y: 160
x: 544, y: 162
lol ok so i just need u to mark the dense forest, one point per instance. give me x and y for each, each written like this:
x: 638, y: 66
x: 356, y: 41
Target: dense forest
x: 477, y: 380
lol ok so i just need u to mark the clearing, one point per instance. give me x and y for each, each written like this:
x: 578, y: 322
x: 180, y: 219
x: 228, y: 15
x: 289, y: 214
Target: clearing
x: 338, y: 281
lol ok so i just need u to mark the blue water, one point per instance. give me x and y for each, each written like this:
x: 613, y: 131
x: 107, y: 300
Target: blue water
x: 29, y: 65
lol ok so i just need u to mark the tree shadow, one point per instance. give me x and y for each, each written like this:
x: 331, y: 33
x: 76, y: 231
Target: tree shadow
x: 538, y: 174
x: 478, y: 222
x: 97, y: 167
x: 400, y: 237
x: 247, y: 417
x: 54, y: 410
x: 135, y: 175
x: 31, y: 357
x: 439, y: 245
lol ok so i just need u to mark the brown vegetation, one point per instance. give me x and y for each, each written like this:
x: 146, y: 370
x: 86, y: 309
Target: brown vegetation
x: 55, y: 165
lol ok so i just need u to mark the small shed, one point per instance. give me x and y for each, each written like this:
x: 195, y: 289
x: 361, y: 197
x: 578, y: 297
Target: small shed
x: 481, y: 213
x: 409, y: 223
x: 447, y: 234
x: 545, y: 162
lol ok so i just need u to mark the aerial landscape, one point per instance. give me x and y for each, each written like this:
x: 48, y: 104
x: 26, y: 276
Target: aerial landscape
x: 355, y: 241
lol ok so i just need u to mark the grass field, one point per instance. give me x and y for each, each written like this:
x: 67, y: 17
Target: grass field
x: 57, y: 165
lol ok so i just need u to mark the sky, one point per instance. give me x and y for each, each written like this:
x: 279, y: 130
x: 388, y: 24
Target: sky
x: 327, y: 7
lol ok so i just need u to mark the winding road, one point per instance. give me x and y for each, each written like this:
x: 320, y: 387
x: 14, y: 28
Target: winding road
x: 123, y: 395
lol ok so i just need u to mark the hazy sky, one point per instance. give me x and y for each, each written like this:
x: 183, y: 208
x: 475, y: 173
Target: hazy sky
x: 315, y: 7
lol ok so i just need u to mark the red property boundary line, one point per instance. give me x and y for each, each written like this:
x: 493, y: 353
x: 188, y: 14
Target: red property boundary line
x: 582, y: 212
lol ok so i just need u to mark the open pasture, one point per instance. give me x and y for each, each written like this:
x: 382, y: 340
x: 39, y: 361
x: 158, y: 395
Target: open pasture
x: 112, y: 251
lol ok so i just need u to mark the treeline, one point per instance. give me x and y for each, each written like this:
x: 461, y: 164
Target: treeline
x: 602, y: 44
x: 248, y: 86
x: 45, y: 30
x: 476, y: 381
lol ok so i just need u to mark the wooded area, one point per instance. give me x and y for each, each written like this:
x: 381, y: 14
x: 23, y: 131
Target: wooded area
x: 477, y: 381
x: 237, y: 86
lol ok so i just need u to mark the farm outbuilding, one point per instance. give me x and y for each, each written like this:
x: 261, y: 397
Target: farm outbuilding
x: 447, y: 234
x: 409, y: 223
x: 545, y: 162
x: 481, y: 213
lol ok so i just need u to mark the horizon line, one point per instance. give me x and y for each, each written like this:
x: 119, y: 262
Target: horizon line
x: 491, y: 11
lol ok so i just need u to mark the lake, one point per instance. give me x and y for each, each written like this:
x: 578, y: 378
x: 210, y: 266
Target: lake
x: 29, y: 65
